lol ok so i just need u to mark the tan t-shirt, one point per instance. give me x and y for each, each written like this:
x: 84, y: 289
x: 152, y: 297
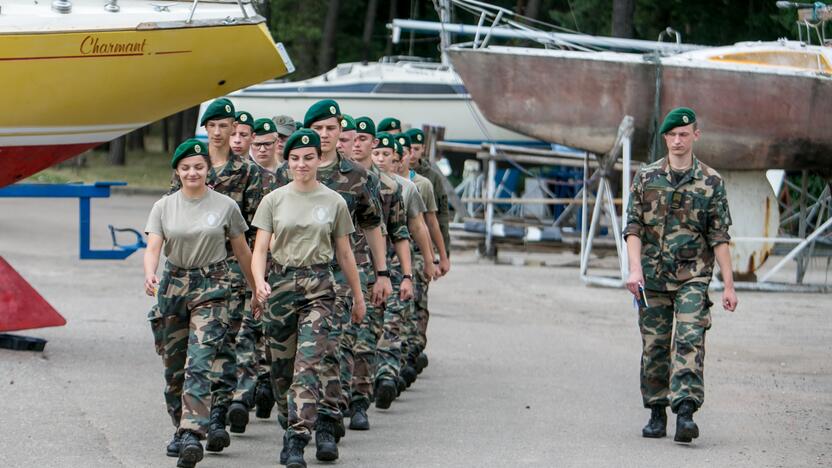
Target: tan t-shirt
x: 425, y: 191
x: 413, y: 202
x: 195, y: 229
x: 304, y: 224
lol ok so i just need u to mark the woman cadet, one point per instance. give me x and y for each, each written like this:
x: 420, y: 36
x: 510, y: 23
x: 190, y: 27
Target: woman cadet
x: 304, y: 224
x: 192, y: 225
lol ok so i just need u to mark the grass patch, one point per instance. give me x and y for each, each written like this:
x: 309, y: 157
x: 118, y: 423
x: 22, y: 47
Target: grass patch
x: 144, y: 169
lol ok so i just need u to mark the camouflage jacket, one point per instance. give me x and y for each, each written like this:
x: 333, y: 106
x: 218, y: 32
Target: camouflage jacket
x: 679, y: 226
x: 360, y: 189
x: 424, y: 169
x: 394, y: 216
x: 243, y: 181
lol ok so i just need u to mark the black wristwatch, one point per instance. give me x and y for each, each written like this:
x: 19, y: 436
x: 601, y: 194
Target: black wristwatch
x: 436, y: 262
x: 385, y: 273
x: 410, y: 277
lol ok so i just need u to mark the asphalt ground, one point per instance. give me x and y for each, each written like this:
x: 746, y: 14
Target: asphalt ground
x: 528, y: 367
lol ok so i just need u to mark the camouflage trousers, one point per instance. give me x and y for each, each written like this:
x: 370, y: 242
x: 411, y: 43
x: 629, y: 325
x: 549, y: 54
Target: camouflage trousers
x: 416, y: 314
x: 224, y: 371
x: 396, y: 312
x: 193, y: 309
x: 298, y: 325
x: 250, y: 350
x: 358, y: 349
x: 673, y: 358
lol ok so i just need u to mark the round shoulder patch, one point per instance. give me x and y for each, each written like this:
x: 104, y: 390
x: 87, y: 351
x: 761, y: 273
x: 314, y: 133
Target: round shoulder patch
x: 197, y: 149
x: 304, y: 139
x: 362, y: 125
x: 332, y: 110
x: 227, y: 108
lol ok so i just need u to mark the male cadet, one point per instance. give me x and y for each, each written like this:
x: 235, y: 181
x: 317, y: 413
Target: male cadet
x: 265, y: 142
x: 285, y: 128
x: 677, y: 223
x: 243, y: 134
x: 242, y: 181
x: 347, y: 135
x: 389, y: 125
x: 360, y: 191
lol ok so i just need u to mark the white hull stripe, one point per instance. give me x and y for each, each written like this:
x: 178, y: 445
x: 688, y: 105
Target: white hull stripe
x: 62, y: 139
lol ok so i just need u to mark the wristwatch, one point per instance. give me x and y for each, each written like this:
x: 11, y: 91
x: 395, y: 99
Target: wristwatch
x: 385, y: 273
x: 410, y: 277
x: 436, y: 261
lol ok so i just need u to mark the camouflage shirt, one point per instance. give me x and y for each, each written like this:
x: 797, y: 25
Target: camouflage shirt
x: 359, y: 189
x: 394, y: 216
x: 424, y: 169
x: 243, y: 181
x: 679, y: 225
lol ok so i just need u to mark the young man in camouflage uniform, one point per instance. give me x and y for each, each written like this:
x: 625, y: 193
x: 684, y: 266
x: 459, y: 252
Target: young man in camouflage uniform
x: 361, y: 192
x: 677, y: 224
x: 243, y: 134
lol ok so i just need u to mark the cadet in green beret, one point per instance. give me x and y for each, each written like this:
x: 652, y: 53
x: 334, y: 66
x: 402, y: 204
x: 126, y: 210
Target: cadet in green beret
x: 389, y: 125
x: 243, y: 181
x: 306, y: 226
x: 677, y: 224
x: 243, y: 134
x: 264, y: 145
x: 285, y: 128
x: 193, y: 225
x: 347, y: 135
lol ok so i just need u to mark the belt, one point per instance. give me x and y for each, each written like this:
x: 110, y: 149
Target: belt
x: 221, y: 266
x: 283, y: 269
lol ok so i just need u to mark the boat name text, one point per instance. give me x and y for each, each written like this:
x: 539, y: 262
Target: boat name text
x: 91, y: 45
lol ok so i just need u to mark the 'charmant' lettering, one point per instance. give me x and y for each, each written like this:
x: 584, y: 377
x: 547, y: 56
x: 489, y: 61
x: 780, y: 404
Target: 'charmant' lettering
x: 93, y: 46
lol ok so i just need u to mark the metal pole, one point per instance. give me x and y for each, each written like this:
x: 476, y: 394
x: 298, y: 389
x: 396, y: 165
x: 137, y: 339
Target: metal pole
x: 593, y: 226
x: 584, y: 209
x: 798, y: 249
x: 489, y: 204
x: 801, y: 266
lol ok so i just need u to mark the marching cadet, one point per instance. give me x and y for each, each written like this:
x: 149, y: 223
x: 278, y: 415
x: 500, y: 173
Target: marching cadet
x: 285, y: 128
x: 677, y: 224
x: 398, y: 307
x: 305, y: 225
x: 243, y: 134
x: 265, y: 144
x: 242, y: 181
x: 416, y: 358
x: 360, y: 191
x: 345, y: 139
x: 389, y: 125
x: 192, y: 225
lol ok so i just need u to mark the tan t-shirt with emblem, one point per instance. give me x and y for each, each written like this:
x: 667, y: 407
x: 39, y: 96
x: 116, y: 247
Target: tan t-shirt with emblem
x: 195, y: 229
x: 425, y: 191
x: 304, y: 224
x: 413, y: 203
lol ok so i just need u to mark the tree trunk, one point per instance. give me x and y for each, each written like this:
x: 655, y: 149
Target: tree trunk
x: 369, y: 21
x: 166, y: 134
x: 622, y: 18
x: 327, y: 51
x: 118, y: 152
x: 533, y: 9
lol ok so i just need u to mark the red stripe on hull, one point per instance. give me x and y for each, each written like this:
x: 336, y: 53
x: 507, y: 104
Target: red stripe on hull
x: 19, y: 162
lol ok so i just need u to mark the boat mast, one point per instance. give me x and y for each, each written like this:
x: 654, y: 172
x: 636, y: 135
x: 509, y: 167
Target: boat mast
x: 444, y: 34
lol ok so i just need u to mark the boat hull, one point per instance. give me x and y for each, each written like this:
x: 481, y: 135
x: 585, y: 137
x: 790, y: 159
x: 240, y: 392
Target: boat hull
x: 750, y: 120
x: 75, y: 90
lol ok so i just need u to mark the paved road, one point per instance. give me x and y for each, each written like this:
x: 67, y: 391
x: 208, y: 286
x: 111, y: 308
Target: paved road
x: 528, y: 368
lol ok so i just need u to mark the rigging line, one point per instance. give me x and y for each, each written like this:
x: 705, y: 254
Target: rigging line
x: 575, y: 19
x: 475, y: 8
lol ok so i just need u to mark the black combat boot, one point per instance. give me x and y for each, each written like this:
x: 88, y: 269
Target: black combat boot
x: 340, y: 430
x: 657, y: 425
x: 686, y: 429
x: 409, y: 375
x: 175, y: 445
x: 421, y: 362
x: 359, y: 421
x: 283, y: 421
x: 294, y: 452
x: 385, y: 394
x: 191, y: 452
x: 327, y: 448
x: 238, y: 417
x: 401, y: 386
x: 263, y: 400
x: 284, y: 452
x: 218, y: 437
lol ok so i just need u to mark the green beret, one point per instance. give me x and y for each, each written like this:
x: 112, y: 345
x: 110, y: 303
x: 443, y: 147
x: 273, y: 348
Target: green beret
x: 264, y: 127
x: 243, y: 117
x: 365, y: 125
x: 389, y: 123
x: 321, y: 110
x: 221, y: 108
x: 386, y: 140
x: 347, y: 123
x: 678, y: 117
x: 189, y: 147
x: 399, y: 147
x: 303, y: 138
x: 298, y: 125
x: 285, y: 124
x: 403, y: 139
x: 417, y: 136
